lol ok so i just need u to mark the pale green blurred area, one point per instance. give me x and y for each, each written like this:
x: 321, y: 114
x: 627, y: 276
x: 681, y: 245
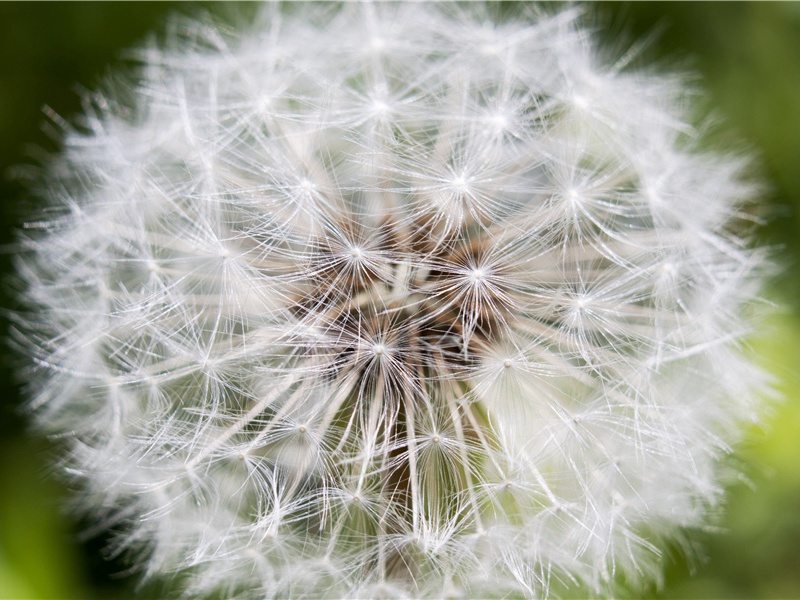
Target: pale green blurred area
x: 37, y: 555
x: 748, y: 55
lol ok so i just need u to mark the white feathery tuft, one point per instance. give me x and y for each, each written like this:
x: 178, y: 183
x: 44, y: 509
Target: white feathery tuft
x: 393, y: 300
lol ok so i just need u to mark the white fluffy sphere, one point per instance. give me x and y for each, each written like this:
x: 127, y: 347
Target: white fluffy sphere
x: 392, y: 300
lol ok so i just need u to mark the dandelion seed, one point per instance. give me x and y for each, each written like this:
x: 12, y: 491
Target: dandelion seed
x: 393, y: 300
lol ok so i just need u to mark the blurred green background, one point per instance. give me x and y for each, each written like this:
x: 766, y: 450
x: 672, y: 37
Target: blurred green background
x: 748, y: 57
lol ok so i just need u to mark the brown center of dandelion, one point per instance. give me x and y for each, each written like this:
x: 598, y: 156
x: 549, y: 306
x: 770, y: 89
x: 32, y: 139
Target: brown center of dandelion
x: 418, y: 302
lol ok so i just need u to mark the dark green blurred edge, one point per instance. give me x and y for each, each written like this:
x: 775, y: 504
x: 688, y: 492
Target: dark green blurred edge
x: 748, y: 55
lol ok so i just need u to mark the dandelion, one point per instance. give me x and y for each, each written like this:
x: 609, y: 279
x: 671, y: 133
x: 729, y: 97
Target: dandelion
x: 392, y: 300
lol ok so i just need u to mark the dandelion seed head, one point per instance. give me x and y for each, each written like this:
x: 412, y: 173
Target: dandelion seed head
x: 395, y: 300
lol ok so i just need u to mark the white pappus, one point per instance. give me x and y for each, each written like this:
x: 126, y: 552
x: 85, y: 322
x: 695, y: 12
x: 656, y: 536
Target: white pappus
x: 392, y: 300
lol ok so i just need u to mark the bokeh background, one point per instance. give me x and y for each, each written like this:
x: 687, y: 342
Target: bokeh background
x: 747, y: 56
